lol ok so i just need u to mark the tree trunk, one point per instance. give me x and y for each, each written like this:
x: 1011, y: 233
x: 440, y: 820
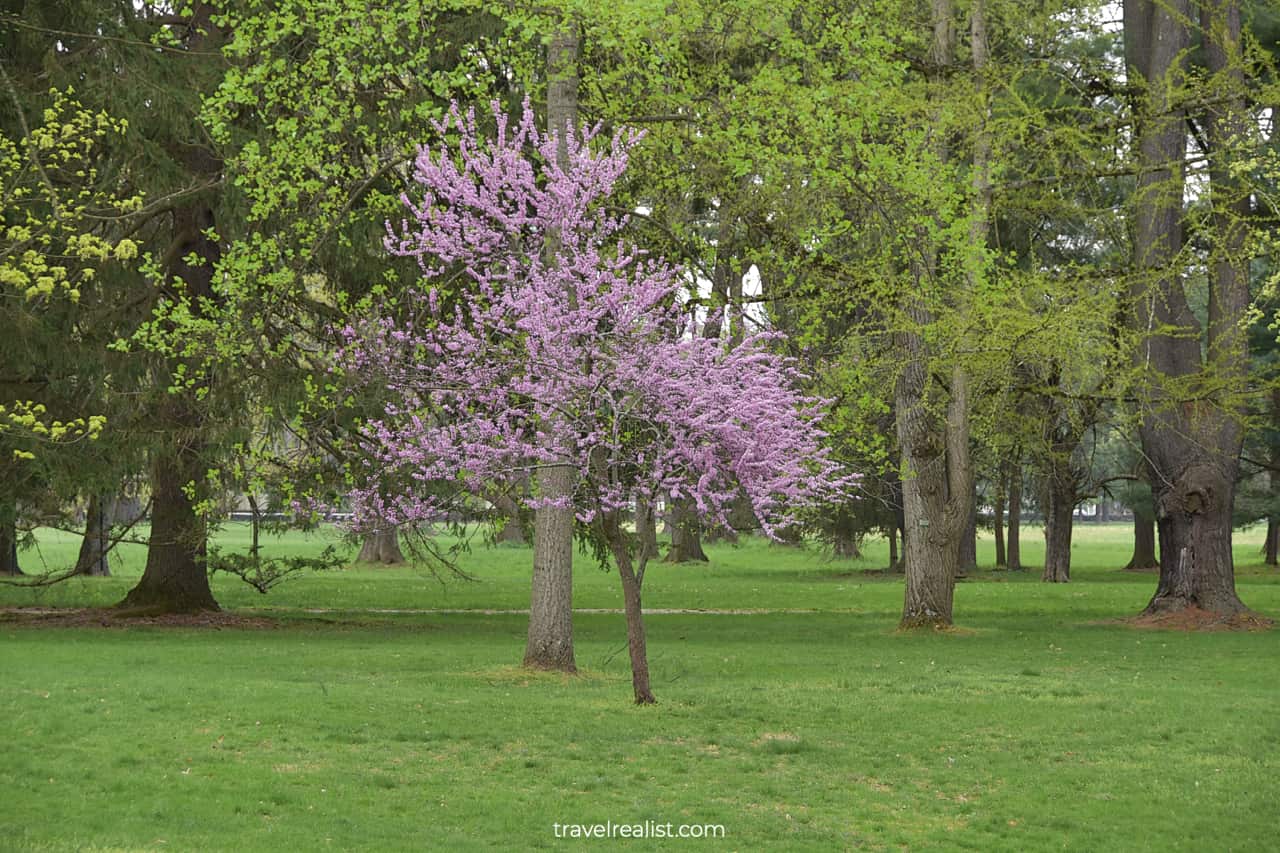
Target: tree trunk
x: 96, y: 544
x: 1013, y: 548
x: 1192, y: 446
x: 686, y: 541
x: 1144, y: 544
x: 967, y: 559
x: 512, y: 530
x: 895, y: 563
x: 1270, y: 543
x: 381, y: 546
x: 646, y: 529
x: 1002, y: 481
x: 175, y: 579
x: 9, y: 538
x: 550, y: 639
x: 632, y: 578
x: 937, y: 482
x: 1059, y: 517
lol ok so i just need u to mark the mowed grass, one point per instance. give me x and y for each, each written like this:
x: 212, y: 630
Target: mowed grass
x: 1042, y: 724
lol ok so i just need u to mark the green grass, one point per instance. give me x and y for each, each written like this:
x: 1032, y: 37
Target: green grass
x: 1041, y: 726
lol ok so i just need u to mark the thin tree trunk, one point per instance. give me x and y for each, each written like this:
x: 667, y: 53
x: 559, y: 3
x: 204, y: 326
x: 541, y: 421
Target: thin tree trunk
x: 1013, y: 549
x: 1002, y: 481
x: 381, y: 546
x: 550, y: 639
x: 968, y: 557
x: 95, y: 546
x: 1270, y: 543
x: 1144, y: 544
x: 647, y: 529
x: 895, y: 563
x: 632, y: 578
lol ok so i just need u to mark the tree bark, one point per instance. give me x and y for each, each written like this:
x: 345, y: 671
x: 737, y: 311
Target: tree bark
x: 937, y: 475
x: 9, y: 538
x: 1191, y: 445
x: 1013, y: 548
x: 895, y: 563
x: 647, y: 529
x: 550, y: 639
x: 632, y: 578
x: 1144, y: 544
x: 967, y: 559
x: 175, y: 579
x: 381, y: 546
x: 1002, y: 481
x: 686, y: 540
x: 1059, y: 517
x: 1269, y: 545
x: 512, y: 531
x: 95, y: 546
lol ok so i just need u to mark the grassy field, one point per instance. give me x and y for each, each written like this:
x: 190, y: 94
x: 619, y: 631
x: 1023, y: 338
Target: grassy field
x: 1043, y: 724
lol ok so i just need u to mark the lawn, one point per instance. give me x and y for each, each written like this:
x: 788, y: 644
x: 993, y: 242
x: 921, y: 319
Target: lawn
x: 1043, y: 724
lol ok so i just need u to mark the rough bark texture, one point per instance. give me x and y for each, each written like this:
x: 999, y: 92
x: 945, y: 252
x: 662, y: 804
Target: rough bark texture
x: 381, y: 546
x: 686, y: 538
x: 1144, y: 544
x: 937, y: 476
x: 94, y: 549
x: 174, y: 579
x: 1191, y: 444
x: 550, y: 639
x: 1059, y: 516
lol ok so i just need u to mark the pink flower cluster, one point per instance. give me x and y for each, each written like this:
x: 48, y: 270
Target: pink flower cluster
x: 541, y: 336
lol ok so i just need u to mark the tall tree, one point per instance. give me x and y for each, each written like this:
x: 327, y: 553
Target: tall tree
x: 1191, y: 428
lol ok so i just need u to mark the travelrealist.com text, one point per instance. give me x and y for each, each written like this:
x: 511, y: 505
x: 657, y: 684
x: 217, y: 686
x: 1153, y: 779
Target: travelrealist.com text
x: 647, y: 829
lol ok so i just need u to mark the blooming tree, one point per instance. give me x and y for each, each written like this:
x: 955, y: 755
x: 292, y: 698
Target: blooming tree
x: 566, y: 346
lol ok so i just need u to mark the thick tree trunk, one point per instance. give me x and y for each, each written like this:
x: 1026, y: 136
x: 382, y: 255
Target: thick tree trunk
x: 381, y: 546
x: 1192, y: 446
x: 550, y: 639
x: 1144, y: 544
x: 96, y: 543
x: 1058, y: 519
x: 512, y: 530
x: 1013, y: 548
x: 9, y: 539
x: 937, y: 482
x: 175, y: 579
x: 686, y: 540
